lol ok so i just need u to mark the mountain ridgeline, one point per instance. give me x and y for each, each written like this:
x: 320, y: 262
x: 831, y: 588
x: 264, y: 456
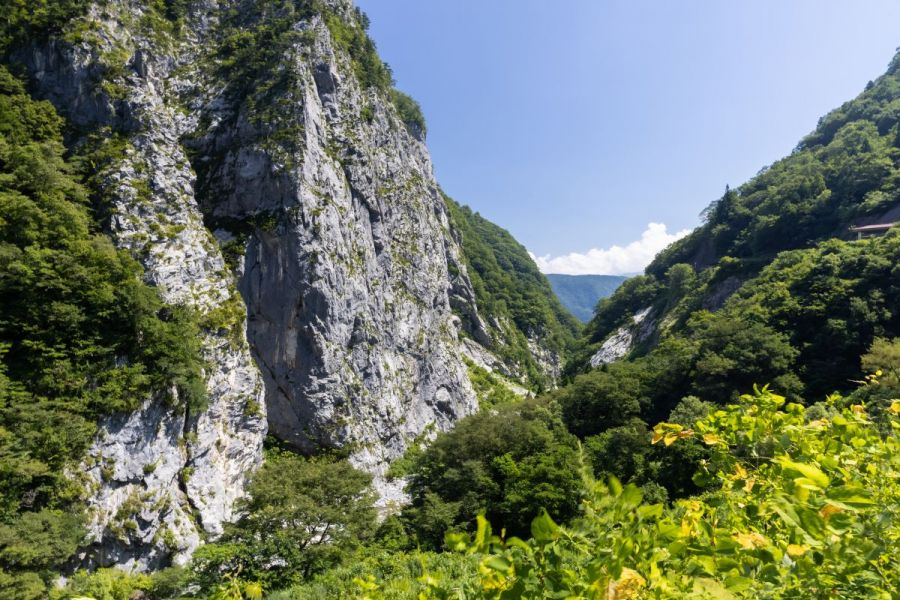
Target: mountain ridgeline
x: 527, y: 324
x: 772, y: 289
x: 775, y: 256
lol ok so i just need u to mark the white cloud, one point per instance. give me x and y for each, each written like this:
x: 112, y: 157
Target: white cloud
x: 615, y: 260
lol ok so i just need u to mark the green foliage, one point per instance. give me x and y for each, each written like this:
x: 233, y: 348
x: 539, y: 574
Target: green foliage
x: 601, y: 399
x: 690, y: 410
x: 804, y: 317
x: 116, y: 584
x: 832, y: 302
x: 883, y: 355
x: 509, y: 461
x: 735, y: 352
x: 392, y: 576
x: 410, y: 112
x: 625, y: 451
x: 301, y: 517
x: 604, y: 408
x: 234, y: 588
x: 490, y: 388
x: 81, y: 336
x: 39, y: 538
x: 792, y: 516
x: 254, y: 37
x: 350, y: 35
x: 835, y: 176
x: 32, y: 546
x: 33, y: 20
x: 28, y: 19
x: 509, y: 289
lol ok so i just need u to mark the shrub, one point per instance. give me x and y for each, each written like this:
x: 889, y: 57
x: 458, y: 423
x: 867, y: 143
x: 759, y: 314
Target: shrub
x: 510, y: 461
x: 301, y: 517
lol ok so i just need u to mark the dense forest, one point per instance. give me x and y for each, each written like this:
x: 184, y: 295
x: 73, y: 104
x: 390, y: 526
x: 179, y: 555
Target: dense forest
x: 746, y: 447
x: 512, y: 294
x: 72, y: 308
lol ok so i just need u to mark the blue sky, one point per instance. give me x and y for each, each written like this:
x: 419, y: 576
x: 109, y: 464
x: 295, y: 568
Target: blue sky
x: 596, y: 130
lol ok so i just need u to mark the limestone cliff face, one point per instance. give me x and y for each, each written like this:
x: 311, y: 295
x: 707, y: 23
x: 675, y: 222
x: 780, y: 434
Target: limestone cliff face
x: 345, y: 265
x: 329, y: 324
x: 159, y: 479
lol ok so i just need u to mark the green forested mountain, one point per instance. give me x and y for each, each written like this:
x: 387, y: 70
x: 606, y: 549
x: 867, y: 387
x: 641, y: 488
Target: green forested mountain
x: 771, y: 289
x: 844, y: 173
x: 580, y: 293
x: 512, y: 294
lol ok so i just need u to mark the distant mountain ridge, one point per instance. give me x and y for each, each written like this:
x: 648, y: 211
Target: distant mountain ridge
x: 581, y: 293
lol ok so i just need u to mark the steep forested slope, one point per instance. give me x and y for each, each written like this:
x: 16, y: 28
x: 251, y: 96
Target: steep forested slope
x: 844, y: 173
x: 528, y: 325
x: 771, y: 289
x: 81, y: 336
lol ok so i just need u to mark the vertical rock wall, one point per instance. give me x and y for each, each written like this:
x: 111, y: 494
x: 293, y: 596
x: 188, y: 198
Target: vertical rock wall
x: 331, y: 320
x: 159, y: 479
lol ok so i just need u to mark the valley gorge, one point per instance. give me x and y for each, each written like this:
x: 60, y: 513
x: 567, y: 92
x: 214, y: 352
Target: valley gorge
x: 251, y: 349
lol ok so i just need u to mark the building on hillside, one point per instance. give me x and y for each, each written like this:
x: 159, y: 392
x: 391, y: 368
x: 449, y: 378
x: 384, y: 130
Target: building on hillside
x: 864, y: 231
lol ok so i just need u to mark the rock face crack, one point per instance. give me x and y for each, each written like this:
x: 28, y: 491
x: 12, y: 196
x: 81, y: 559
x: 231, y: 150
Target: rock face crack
x: 184, y: 475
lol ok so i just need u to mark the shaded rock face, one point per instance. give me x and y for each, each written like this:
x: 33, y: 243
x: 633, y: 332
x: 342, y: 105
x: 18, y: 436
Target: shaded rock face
x: 339, y: 248
x: 721, y: 292
x: 344, y: 266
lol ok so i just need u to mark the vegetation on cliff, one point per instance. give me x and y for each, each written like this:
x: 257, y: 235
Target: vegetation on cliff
x: 656, y: 476
x: 81, y: 336
x: 512, y: 294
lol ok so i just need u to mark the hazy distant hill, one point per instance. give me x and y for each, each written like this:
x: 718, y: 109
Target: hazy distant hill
x: 580, y: 293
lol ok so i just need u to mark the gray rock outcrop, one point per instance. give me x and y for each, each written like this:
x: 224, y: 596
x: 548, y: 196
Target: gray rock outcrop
x: 159, y: 479
x: 621, y: 341
x: 297, y: 212
x: 344, y: 265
